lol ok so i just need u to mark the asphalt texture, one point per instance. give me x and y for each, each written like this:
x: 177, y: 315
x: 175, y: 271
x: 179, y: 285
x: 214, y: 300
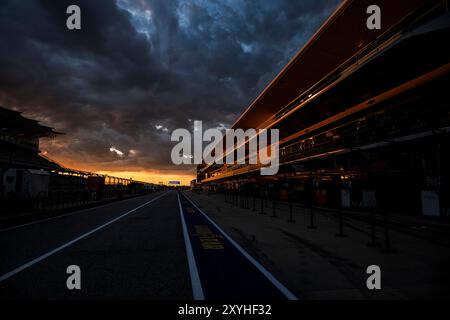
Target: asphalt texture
x: 225, y: 270
x: 154, y: 247
x: 140, y: 256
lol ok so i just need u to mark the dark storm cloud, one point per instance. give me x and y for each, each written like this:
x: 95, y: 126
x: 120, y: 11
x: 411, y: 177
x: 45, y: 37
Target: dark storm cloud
x: 139, y: 69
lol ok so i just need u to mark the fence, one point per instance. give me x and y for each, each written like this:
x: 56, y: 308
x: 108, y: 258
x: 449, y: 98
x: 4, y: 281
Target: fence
x: 261, y: 204
x: 61, y: 199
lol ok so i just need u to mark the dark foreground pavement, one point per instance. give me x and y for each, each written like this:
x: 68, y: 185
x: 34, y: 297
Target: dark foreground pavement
x: 159, y: 246
x: 221, y: 268
x: 141, y: 255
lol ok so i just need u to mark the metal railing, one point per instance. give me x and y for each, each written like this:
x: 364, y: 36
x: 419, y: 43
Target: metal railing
x: 263, y: 204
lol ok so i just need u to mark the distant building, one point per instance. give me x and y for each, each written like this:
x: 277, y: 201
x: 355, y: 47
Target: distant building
x: 19, y: 144
x: 30, y: 182
x: 19, y: 141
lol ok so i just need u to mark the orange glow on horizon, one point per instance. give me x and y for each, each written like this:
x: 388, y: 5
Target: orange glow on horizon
x: 155, y: 178
x: 135, y: 173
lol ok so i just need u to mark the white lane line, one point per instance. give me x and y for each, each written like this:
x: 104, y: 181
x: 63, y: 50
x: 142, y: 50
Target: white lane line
x: 52, y: 252
x: 62, y: 216
x: 197, y: 289
x: 288, y: 294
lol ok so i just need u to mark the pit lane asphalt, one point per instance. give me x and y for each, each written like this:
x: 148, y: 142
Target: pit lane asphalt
x: 150, y: 247
x: 139, y: 255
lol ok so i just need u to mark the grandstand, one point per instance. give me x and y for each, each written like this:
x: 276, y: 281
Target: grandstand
x: 31, y: 182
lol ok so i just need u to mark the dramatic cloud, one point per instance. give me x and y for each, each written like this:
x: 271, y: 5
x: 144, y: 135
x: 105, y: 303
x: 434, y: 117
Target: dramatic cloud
x: 140, y: 68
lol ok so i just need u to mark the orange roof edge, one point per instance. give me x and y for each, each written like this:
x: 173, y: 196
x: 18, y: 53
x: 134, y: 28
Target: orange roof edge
x: 340, y: 8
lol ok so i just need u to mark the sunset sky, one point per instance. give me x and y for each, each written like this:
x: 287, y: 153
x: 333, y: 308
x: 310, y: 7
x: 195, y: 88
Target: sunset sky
x: 139, y: 69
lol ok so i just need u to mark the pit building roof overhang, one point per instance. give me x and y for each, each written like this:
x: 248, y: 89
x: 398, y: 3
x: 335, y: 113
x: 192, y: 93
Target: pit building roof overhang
x: 341, y: 37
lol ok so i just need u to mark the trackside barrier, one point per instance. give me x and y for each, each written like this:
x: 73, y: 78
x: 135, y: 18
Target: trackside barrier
x: 372, y: 218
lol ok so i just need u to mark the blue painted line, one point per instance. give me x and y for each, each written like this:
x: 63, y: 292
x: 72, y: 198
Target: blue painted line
x: 225, y: 269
